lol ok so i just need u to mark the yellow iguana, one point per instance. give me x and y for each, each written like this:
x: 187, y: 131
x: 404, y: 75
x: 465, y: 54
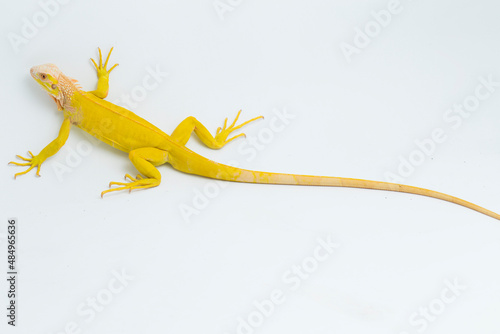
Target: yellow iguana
x: 148, y: 146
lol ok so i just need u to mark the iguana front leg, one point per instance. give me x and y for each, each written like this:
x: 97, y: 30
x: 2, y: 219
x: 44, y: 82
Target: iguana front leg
x: 183, y: 132
x: 48, y: 151
x: 144, y: 159
x: 102, y: 76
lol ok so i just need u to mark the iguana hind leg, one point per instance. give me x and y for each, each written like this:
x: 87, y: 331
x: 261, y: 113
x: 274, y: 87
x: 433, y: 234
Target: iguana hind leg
x: 145, y: 160
x: 184, y: 130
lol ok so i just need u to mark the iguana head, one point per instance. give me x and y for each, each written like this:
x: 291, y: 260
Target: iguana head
x: 50, y: 77
x: 47, y: 76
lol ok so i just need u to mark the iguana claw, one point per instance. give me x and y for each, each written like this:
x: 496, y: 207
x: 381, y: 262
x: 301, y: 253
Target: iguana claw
x: 222, y: 132
x: 33, y: 162
x: 101, y: 70
x: 139, y: 182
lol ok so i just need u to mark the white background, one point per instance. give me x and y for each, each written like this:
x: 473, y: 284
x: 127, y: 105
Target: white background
x: 352, y: 119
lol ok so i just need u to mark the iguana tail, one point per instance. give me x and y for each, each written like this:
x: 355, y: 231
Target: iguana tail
x: 219, y: 171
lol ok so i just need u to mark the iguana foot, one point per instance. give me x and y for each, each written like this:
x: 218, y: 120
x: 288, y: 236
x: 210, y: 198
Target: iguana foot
x: 222, y: 133
x: 32, y: 162
x: 139, y: 182
x: 134, y: 179
x: 101, y: 69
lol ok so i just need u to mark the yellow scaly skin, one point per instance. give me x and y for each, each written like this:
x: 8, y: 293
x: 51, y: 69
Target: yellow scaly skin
x: 149, y: 147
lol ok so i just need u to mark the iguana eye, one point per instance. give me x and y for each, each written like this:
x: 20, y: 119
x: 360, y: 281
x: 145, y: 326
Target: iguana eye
x: 43, y: 76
